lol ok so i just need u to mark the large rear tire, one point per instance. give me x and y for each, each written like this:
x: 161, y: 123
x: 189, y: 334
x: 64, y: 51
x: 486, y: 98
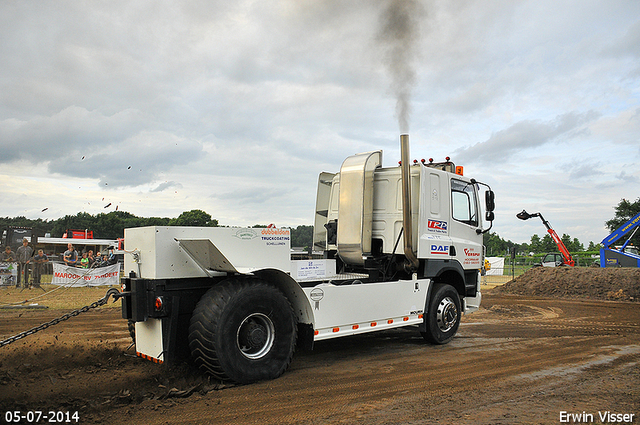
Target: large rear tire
x: 243, y: 330
x: 443, y: 315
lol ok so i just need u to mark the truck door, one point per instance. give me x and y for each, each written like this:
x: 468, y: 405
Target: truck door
x: 465, y: 220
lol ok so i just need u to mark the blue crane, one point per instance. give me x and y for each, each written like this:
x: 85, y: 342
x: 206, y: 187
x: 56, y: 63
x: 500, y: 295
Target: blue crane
x: 610, y: 256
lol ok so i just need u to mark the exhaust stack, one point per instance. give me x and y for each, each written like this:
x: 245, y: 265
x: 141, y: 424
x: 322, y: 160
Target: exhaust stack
x: 407, y: 222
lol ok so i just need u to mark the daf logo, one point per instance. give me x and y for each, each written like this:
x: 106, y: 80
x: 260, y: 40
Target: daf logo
x: 440, y: 249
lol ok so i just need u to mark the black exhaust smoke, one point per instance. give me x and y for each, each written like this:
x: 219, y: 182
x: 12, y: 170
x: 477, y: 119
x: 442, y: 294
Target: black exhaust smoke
x: 399, y: 35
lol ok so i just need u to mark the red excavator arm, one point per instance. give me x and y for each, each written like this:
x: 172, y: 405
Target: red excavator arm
x: 566, y: 256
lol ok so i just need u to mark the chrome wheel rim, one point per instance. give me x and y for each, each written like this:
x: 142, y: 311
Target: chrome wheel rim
x: 256, y: 335
x: 447, y: 314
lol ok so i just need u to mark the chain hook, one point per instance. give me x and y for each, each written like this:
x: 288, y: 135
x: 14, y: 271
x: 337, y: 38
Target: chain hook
x: 111, y: 292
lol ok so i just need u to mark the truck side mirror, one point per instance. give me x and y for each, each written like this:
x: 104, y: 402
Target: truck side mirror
x: 490, y: 201
x: 490, y: 205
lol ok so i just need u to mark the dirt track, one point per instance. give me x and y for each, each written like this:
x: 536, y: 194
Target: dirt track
x: 518, y: 360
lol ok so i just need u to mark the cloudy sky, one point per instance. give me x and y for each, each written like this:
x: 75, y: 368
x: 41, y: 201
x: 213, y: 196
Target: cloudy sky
x: 235, y: 107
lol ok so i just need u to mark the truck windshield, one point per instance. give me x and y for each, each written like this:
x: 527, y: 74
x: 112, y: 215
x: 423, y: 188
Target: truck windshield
x: 463, y: 201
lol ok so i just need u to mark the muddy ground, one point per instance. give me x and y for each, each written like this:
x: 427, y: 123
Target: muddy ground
x: 521, y: 359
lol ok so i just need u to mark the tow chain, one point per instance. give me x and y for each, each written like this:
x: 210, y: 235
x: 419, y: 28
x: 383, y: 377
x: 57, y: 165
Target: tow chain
x: 102, y: 301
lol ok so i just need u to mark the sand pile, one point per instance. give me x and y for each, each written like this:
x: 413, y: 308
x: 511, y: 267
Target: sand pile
x: 615, y: 284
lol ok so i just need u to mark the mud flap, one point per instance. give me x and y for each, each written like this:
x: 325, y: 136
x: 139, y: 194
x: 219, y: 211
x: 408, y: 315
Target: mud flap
x: 149, y: 340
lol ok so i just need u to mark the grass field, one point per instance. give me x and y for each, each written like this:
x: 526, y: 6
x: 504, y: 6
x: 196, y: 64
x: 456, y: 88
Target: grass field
x: 491, y: 281
x: 54, y: 297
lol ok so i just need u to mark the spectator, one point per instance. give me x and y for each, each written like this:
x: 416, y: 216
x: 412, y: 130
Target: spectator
x: 24, y: 254
x: 8, y: 256
x: 91, y: 258
x: 38, y: 266
x: 70, y: 256
x: 98, y: 260
x: 112, y: 258
x: 84, y: 261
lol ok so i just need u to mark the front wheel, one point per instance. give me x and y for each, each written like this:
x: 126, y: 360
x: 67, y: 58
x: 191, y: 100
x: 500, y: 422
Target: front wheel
x: 243, y: 330
x: 443, y: 315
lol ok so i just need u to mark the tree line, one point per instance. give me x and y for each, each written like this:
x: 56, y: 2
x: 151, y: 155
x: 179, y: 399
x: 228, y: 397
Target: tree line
x: 111, y: 225
x: 497, y: 246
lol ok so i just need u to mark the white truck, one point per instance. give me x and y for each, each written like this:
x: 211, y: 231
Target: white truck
x: 401, y: 246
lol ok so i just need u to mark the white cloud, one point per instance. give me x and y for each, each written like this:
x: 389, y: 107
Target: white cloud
x: 165, y: 186
x: 525, y: 134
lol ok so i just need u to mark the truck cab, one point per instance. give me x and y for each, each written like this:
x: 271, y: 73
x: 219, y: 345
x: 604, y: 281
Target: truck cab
x: 359, y: 222
x: 553, y: 259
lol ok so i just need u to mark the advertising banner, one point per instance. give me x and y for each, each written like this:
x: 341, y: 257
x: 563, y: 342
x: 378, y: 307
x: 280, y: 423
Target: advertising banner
x: 65, y: 275
x: 497, y: 266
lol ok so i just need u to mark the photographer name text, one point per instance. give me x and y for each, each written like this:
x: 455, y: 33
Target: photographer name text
x: 601, y: 417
